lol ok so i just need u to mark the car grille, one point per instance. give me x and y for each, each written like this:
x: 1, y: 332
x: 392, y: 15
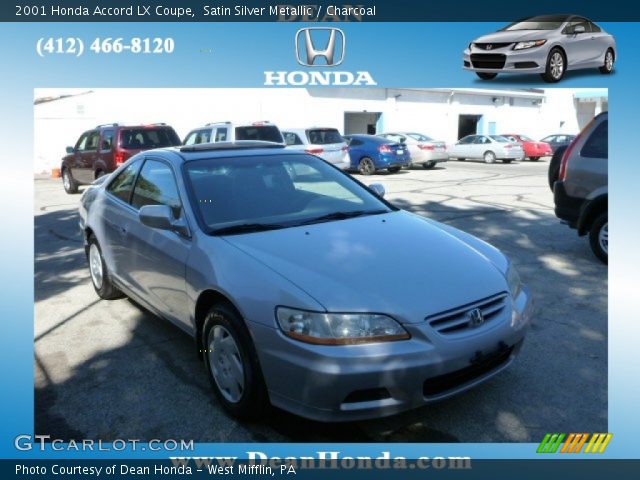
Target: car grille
x: 479, y: 368
x: 488, y: 60
x: 457, y: 319
x: 491, y: 46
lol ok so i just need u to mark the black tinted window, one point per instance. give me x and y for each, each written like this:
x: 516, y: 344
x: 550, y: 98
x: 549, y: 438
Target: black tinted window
x: 594, y: 28
x: 107, y: 140
x: 122, y: 185
x: 355, y: 142
x: 221, y: 134
x: 267, y: 133
x: 148, y: 138
x: 597, y: 145
x: 156, y: 185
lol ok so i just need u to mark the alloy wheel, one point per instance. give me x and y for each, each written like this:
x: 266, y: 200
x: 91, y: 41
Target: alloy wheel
x: 95, y: 266
x: 66, y: 181
x: 608, y: 61
x: 603, y: 238
x: 557, y: 65
x: 366, y: 166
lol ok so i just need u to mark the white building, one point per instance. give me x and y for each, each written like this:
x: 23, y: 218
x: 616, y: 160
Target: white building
x: 446, y: 114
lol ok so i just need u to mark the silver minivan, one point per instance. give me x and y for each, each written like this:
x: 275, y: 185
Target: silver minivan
x: 326, y: 143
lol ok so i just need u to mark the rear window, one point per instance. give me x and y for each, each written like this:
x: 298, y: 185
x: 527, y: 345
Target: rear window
x: 324, y: 136
x: 499, y: 138
x: 267, y: 133
x: 597, y: 145
x: 419, y: 137
x: 148, y: 138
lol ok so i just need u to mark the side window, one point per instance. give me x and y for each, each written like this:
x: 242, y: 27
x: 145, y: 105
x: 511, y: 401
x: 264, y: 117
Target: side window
x: 571, y: 27
x: 92, y: 141
x: 122, y: 185
x: 467, y: 140
x: 355, y: 142
x: 594, y: 28
x: 204, y: 136
x: 156, y: 185
x: 597, y: 145
x: 291, y: 138
x: 107, y: 140
x: 82, y: 141
x: 221, y: 134
x: 481, y: 140
x: 191, y: 138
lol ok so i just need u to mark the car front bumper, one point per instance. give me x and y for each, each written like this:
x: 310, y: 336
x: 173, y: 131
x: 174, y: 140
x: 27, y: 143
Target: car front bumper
x: 343, y: 383
x: 505, y: 60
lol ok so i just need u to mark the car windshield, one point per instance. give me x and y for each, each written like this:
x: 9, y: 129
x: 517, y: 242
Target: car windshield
x: 267, y: 133
x: 419, y: 137
x: 499, y: 138
x: 324, y: 136
x: 542, y: 22
x: 524, y: 138
x: 255, y: 193
x: 148, y: 138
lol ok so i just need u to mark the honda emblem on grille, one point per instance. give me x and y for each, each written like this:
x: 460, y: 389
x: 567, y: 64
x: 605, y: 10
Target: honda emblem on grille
x: 476, y: 318
x: 489, y: 46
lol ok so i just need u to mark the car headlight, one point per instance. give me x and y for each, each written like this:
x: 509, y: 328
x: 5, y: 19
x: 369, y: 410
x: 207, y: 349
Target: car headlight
x: 529, y: 44
x: 470, y: 45
x: 513, y: 280
x: 339, y: 328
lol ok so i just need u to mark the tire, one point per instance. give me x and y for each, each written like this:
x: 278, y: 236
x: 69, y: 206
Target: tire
x: 366, y: 166
x: 489, y: 157
x: 99, y: 274
x: 461, y: 159
x: 556, y: 66
x: 599, y: 237
x: 486, y: 76
x: 609, y: 59
x: 534, y: 159
x: 554, y: 166
x: 99, y: 173
x: 69, y: 184
x: 507, y: 160
x: 428, y: 165
x: 228, y: 348
x: 394, y: 169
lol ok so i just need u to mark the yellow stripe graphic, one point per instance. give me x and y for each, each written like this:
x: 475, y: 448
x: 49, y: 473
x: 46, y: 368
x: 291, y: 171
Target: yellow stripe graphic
x: 605, y: 443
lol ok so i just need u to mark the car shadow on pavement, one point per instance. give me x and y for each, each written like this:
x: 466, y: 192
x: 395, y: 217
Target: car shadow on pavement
x: 106, y: 370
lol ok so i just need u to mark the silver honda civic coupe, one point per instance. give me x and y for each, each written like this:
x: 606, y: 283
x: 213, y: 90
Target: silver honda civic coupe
x: 301, y: 286
x: 546, y: 44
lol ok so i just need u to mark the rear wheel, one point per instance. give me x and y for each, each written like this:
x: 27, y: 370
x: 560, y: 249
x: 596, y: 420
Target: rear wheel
x: 100, y: 277
x: 599, y: 237
x: 232, y: 363
x: 607, y: 67
x: 489, y: 157
x: 69, y: 184
x: 428, y: 165
x: 394, y: 169
x: 534, y: 159
x: 486, y: 76
x: 366, y: 166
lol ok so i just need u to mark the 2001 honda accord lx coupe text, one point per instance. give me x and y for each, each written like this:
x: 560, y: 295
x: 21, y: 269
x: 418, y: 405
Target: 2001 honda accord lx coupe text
x: 547, y: 44
x: 302, y: 287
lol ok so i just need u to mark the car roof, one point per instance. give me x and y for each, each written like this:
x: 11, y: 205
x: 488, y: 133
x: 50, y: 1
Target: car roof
x: 225, y: 150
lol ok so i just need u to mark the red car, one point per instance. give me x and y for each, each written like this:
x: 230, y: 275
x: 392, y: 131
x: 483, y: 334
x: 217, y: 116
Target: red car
x: 532, y: 150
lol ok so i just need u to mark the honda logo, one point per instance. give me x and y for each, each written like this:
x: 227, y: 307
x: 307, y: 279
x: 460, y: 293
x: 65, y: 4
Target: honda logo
x: 309, y: 50
x: 475, y: 317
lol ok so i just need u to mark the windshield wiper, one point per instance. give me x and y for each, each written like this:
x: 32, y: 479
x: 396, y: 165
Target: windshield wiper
x: 342, y: 216
x: 247, y: 228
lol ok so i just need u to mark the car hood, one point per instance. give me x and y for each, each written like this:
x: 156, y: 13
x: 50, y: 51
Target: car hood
x: 514, y: 36
x: 396, y: 263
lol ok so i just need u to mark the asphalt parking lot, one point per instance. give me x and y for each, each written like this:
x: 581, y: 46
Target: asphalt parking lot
x: 108, y: 369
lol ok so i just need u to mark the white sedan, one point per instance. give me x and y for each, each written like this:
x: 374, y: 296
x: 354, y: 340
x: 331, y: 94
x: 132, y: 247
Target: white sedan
x: 424, y: 150
x: 486, y: 147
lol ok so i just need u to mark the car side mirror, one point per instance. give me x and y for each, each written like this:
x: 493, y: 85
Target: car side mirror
x: 161, y: 218
x: 69, y: 149
x: 378, y: 189
x: 578, y: 29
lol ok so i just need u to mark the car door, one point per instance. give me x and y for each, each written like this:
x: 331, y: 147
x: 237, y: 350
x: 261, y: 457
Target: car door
x: 461, y: 148
x: 600, y: 43
x: 85, y: 155
x: 480, y: 145
x: 577, y: 45
x: 157, y: 258
x: 105, y: 161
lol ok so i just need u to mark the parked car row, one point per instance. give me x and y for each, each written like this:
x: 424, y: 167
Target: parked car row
x: 102, y: 149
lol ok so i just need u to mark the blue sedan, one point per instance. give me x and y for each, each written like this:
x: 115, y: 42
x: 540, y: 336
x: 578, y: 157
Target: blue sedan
x: 370, y: 153
x: 300, y: 285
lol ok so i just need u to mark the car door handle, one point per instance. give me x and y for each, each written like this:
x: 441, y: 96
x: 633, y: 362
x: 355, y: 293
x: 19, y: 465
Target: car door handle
x: 123, y: 229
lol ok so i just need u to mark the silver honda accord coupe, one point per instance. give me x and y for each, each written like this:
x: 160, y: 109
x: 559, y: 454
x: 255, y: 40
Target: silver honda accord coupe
x: 546, y: 44
x: 302, y: 287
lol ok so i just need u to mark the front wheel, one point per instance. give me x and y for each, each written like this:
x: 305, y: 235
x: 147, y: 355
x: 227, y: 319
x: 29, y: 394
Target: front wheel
x: 428, y: 165
x: 366, y: 166
x: 69, y: 184
x: 556, y: 65
x: 489, y: 157
x: 232, y: 363
x: 486, y: 76
x: 607, y: 67
x: 599, y: 237
x: 100, y: 277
